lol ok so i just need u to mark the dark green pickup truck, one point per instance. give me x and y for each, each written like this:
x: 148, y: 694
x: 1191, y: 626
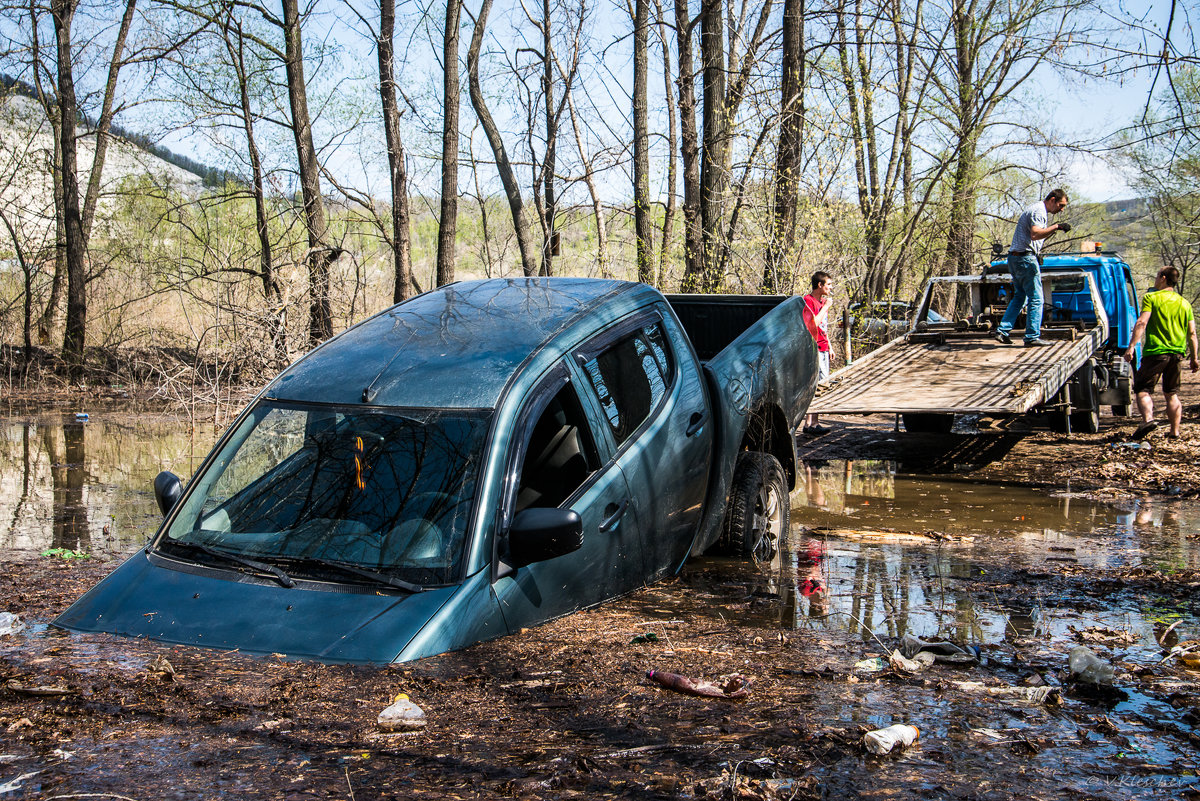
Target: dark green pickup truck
x: 475, y: 460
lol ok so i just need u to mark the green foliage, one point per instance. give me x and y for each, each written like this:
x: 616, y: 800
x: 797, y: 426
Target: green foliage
x: 66, y: 554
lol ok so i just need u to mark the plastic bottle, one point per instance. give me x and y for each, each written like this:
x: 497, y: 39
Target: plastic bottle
x: 1088, y: 668
x: 402, y: 715
x: 883, y: 741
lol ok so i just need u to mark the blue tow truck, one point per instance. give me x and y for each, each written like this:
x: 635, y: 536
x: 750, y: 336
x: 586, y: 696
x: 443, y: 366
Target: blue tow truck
x: 939, y: 370
x: 472, y: 461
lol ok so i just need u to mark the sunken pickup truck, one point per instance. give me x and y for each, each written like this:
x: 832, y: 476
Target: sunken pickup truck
x: 477, y: 459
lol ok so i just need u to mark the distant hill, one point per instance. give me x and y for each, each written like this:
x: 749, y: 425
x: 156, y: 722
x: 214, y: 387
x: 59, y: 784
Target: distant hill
x: 26, y: 178
x: 211, y: 176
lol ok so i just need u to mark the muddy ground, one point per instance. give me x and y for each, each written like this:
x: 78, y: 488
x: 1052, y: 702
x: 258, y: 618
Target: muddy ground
x: 565, y: 710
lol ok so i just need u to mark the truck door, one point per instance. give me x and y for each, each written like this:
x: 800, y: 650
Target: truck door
x: 657, y: 416
x: 557, y: 460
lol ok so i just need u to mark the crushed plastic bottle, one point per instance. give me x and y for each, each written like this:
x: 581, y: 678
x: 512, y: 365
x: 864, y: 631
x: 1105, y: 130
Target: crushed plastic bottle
x: 1088, y: 668
x: 10, y: 623
x: 402, y: 715
x: 884, y: 741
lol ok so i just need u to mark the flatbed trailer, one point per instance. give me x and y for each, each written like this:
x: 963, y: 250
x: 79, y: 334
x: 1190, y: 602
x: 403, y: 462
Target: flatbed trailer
x: 939, y: 370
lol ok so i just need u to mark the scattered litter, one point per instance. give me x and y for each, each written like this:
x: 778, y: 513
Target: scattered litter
x: 642, y: 639
x: 17, y: 725
x: 10, y: 623
x: 731, y: 686
x: 944, y: 652
x: 15, y: 784
x: 1088, y: 668
x: 1037, y: 695
x: 402, y: 715
x: 872, y: 665
x: 61, y: 754
x: 883, y: 741
x: 82, y: 416
x: 162, y: 668
x: 1132, y: 446
x: 922, y: 660
x: 21, y: 689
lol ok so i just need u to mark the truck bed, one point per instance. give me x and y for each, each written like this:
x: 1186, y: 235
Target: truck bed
x: 956, y: 373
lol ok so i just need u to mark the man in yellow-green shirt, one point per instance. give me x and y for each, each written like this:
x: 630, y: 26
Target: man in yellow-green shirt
x: 1170, y: 330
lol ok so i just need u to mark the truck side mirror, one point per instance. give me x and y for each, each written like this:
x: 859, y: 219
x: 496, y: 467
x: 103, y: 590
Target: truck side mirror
x: 167, y: 489
x: 540, y: 534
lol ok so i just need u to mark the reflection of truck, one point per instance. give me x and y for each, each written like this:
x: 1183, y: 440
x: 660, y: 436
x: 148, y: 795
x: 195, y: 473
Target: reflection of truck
x: 475, y: 460
x: 939, y: 370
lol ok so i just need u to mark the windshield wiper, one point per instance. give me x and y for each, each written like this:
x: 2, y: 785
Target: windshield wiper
x: 276, y: 573
x: 374, y: 575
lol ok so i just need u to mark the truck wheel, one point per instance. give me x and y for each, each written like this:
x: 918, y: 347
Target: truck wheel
x: 928, y: 423
x: 758, y: 507
x: 1085, y: 400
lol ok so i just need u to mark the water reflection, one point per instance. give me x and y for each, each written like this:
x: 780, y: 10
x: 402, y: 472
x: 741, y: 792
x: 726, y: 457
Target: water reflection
x: 839, y: 567
x: 85, y: 483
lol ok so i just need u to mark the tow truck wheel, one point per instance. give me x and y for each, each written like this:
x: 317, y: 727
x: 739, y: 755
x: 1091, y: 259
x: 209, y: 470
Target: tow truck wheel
x: 1085, y: 401
x: 758, y: 507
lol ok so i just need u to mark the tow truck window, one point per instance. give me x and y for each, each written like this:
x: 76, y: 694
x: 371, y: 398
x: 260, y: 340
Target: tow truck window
x: 631, y: 377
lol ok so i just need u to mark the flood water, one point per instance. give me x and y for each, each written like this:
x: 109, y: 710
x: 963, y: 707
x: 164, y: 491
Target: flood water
x: 85, y: 481
x: 849, y: 565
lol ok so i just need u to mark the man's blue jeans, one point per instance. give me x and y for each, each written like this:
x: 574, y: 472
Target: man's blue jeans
x: 1027, y: 285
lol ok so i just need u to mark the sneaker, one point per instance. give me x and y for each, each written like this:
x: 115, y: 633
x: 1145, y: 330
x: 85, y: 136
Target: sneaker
x: 1036, y: 343
x: 1142, y: 431
x: 1002, y: 338
x: 817, y: 430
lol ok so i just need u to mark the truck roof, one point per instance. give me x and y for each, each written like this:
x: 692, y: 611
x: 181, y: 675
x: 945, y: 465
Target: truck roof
x: 1066, y: 261
x: 453, y: 347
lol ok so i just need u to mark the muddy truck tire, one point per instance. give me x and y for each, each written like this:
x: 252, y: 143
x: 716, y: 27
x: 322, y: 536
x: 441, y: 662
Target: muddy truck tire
x: 758, y: 507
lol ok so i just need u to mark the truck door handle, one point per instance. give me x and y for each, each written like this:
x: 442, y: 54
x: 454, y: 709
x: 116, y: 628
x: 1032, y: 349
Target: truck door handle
x: 612, y: 515
x: 695, y: 423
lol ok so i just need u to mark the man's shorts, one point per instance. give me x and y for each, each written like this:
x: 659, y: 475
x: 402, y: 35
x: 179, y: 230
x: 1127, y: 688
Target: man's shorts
x: 823, y: 366
x: 1154, y: 365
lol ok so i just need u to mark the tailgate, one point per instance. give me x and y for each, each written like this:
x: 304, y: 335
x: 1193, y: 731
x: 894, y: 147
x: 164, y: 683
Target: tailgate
x: 959, y: 376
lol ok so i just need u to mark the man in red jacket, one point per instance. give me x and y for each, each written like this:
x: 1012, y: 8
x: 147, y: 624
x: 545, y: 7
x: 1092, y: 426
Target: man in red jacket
x: 816, y: 317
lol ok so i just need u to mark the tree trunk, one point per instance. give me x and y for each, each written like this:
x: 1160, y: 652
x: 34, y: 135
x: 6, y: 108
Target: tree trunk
x: 714, y: 180
x: 789, y: 151
x: 448, y: 222
x: 668, y: 223
x: 597, y: 205
x: 320, y: 255
x: 105, y: 123
x: 76, y: 244
x: 503, y: 166
x: 642, y: 224
x: 689, y: 154
x: 401, y: 240
x: 550, y: 242
x: 266, y: 260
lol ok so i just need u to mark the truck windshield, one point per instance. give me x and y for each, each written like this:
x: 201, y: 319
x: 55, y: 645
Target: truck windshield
x: 313, y: 489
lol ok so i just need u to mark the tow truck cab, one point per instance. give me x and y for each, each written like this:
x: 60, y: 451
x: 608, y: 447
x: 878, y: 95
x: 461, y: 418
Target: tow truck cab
x: 1069, y: 299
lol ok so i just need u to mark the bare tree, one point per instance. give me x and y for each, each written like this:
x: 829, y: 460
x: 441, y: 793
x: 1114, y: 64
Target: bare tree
x: 321, y: 254
x: 401, y: 238
x: 788, y: 152
x: 448, y: 220
x: 503, y: 164
x: 689, y: 152
x: 642, y: 223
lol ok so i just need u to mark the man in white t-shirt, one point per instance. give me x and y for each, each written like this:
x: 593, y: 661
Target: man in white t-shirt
x: 1033, y: 227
